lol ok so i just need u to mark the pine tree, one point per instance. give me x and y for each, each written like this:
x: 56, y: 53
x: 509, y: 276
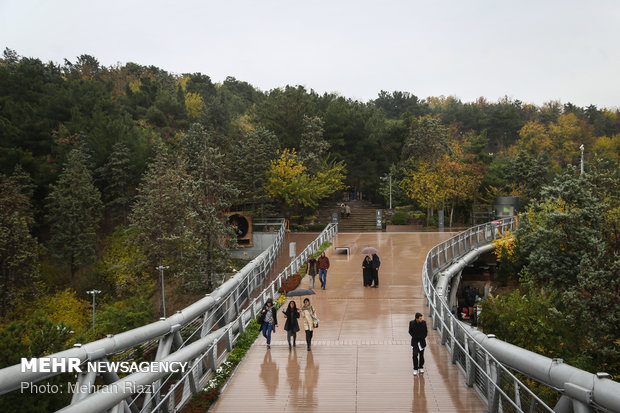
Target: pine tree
x: 313, y: 148
x: 74, y: 213
x: 211, y: 192
x: 253, y: 158
x: 158, y: 217
x: 19, y: 251
x: 116, y: 174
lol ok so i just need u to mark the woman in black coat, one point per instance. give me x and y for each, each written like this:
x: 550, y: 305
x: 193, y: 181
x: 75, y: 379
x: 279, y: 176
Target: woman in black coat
x: 367, y: 271
x: 292, y: 325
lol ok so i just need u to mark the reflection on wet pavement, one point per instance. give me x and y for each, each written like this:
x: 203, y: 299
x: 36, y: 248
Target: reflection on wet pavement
x: 361, y: 348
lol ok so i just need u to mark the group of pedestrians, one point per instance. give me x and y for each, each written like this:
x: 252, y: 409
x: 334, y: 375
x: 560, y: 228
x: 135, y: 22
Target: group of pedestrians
x: 307, y: 314
x: 317, y: 265
x: 370, y: 271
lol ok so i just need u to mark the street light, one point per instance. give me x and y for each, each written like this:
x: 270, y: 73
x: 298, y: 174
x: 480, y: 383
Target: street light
x: 161, y: 269
x: 582, y: 148
x: 383, y: 178
x: 94, y: 294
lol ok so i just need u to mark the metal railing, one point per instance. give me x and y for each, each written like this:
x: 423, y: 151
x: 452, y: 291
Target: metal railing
x: 233, y: 330
x: 221, y: 306
x: 204, y: 352
x: 495, y: 384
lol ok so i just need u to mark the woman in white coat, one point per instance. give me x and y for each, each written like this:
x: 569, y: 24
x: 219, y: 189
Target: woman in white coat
x: 310, y: 320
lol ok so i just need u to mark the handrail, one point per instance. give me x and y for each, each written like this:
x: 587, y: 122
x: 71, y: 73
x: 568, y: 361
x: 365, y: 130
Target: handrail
x: 270, y: 291
x: 203, y: 354
x: 495, y: 384
x: 248, y: 278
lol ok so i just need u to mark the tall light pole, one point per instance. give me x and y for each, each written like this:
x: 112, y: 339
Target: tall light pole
x: 383, y: 178
x: 94, y: 294
x: 582, y: 148
x: 161, y: 269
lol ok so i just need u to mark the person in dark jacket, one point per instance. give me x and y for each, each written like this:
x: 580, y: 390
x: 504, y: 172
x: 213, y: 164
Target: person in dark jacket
x: 376, y: 263
x: 311, y: 270
x: 270, y: 320
x: 291, y: 325
x: 323, y: 265
x: 418, y: 333
x: 367, y: 271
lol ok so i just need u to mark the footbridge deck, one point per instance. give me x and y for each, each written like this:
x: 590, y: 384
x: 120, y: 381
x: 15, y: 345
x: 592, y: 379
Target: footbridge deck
x: 361, y: 356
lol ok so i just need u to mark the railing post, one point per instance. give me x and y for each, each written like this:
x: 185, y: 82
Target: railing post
x: 444, y: 327
x: 470, y: 370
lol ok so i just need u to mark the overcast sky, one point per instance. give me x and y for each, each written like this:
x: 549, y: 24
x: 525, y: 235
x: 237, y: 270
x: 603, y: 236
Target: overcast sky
x: 534, y: 51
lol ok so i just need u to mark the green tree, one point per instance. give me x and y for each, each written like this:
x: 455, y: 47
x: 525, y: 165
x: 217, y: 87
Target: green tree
x: 282, y: 112
x: 313, y: 148
x: 526, y: 175
x: 19, y: 251
x: 427, y: 139
x: 210, y: 192
x: 37, y: 336
x: 116, y: 174
x: 74, y: 213
x: 565, y: 244
x: 157, y: 219
x: 126, y: 314
x: 255, y: 152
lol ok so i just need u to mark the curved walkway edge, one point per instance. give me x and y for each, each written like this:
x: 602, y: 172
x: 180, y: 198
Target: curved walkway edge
x: 361, y: 356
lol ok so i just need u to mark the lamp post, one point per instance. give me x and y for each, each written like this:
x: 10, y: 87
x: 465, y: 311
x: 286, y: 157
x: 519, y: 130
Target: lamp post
x: 383, y: 178
x: 581, y: 148
x: 161, y: 269
x: 94, y: 294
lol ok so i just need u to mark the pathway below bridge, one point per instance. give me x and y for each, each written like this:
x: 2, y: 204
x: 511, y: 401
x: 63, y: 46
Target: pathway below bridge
x: 361, y: 354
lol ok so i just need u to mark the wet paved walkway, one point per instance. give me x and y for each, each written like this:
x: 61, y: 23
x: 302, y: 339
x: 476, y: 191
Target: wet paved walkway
x: 361, y: 356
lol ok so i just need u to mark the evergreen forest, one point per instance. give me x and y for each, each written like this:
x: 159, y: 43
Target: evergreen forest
x: 108, y: 172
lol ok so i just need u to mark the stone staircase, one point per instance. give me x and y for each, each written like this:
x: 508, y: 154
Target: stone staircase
x: 362, y: 217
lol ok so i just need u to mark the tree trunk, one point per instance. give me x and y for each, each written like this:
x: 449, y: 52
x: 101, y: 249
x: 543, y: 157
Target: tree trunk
x: 451, y: 212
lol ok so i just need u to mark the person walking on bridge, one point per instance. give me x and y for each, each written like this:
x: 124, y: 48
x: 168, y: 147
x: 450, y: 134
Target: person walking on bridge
x: 311, y: 271
x: 269, y: 320
x: 310, y: 320
x: 292, y: 325
x: 323, y: 265
x: 418, y: 333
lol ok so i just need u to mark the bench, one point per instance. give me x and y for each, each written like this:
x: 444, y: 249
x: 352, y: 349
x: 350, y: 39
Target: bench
x: 345, y: 249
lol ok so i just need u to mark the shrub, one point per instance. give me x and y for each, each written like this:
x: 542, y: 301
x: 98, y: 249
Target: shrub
x: 322, y: 248
x: 290, y: 283
x: 417, y: 215
x: 316, y: 227
x: 204, y: 399
x: 399, y: 218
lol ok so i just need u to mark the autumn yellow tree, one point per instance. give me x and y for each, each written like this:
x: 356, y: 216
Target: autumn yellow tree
x: 193, y: 103
x: 289, y: 181
x: 425, y: 183
x: 560, y: 139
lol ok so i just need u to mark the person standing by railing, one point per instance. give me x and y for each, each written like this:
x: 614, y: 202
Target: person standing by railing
x: 323, y: 265
x: 418, y: 332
